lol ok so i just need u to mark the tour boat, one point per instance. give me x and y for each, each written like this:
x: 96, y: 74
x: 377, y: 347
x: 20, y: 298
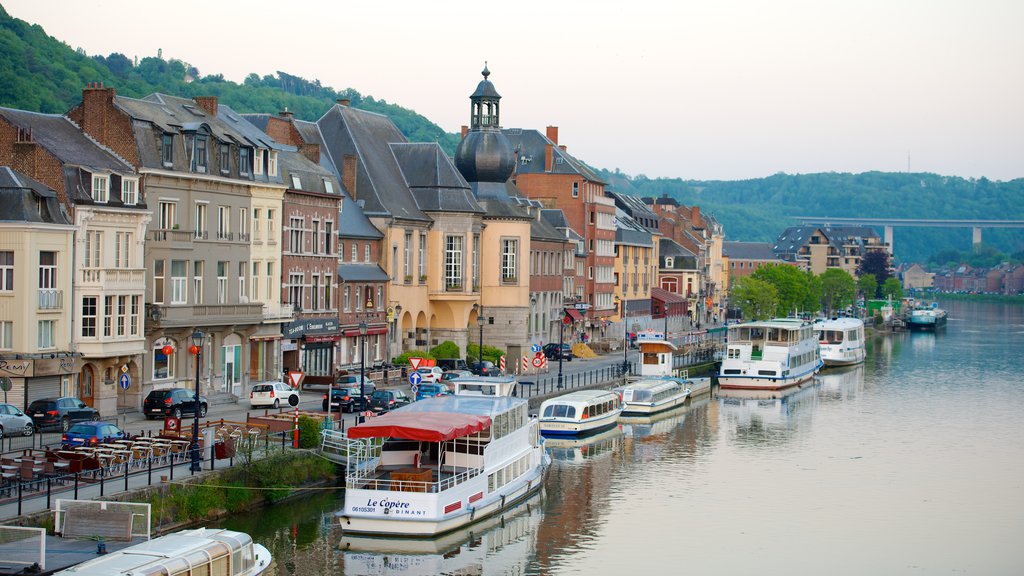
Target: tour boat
x: 438, y: 465
x: 579, y: 413
x: 841, y: 341
x: 198, y: 551
x: 927, y: 318
x: 769, y: 355
x: 653, y: 395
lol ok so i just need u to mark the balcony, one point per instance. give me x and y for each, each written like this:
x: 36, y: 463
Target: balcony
x: 278, y: 311
x: 206, y: 314
x: 113, y: 278
x: 172, y: 238
x: 51, y: 299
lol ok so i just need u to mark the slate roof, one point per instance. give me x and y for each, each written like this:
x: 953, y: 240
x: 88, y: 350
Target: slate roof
x: 542, y: 231
x: 628, y: 231
x: 311, y: 175
x: 636, y: 209
x: 749, y: 250
x: 24, y: 199
x: 531, y: 145
x: 361, y: 273
x: 435, y: 183
x: 555, y: 217
x: 683, y: 259
x: 793, y: 238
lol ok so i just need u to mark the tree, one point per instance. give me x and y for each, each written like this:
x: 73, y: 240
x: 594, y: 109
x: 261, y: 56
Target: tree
x: 875, y: 262
x: 756, y: 298
x: 837, y: 289
x: 446, y: 349
x: 867, y: 285
x: 812, y: 302
x: 892, y: 288
x: 790, y: 283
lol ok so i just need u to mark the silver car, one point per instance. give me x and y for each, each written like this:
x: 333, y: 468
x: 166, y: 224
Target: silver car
x: 13, y: 421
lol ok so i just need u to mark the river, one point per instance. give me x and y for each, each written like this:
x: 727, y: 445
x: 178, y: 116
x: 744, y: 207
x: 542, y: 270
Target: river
x: 910, y: 464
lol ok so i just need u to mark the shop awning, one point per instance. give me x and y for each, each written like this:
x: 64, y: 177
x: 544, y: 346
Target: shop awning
x: 421, y: 426
x: 369, y: 331
x: 574, y: 314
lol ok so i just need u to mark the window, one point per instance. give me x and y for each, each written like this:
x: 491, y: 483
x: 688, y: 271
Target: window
x: 6, y: 335
x: 257, y: 164
x: 328, y: 237
x: 509, y: 259
x: 423, y: 254
x: 346, y: 299
x: 158, y: 282
x: 296, y: 182
x: 328, y: 303
x: 122, y: 249
x: 222, y: 282
x: 380, y: 297
x: 315, y: 240
x: 199, y: 155
x: 394, y: 262
x: 314, y: 292
x: 225, y: 158
x: 93, y: 241
x: 453, y: 262
x: 129, y: 191
x: 163, y: 364
x: 46, y: 334
x: 408, y: 255
x: 243, y: 224
x: 108, y: 316
x: 295, y: 290
x: 366, y: 252
x: 328, y: 186
x: 89, y: 316
x: 355, y: 252
x: 242, y: 296
x: 179, y: 289
x: 255, y: 281
x: 136, y: 311
x: 48, y: 270
x: 268, y: 292
x: 296, y: 233
x: 197, y: 280
x: 167, y: 149
x: 200, y: 222
x: 575, y: 189
x: 223, y: 222
x: 6, y: 270
x: 341, y: 250
x: 244, y: 160
x: 122, y: 314
x: 669, y: 262
x: 271, y: 226
x: 168, y: 215
x: 272, y: 163
x: 256, y: 215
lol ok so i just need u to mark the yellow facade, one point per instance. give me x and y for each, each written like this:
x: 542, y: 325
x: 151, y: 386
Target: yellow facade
x: 636, y: 268
x: 265, y: 266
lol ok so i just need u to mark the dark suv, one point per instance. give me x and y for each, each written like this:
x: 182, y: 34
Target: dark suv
x: 385, y: 400
x: 552, y: 353
x: 348, y: 399
x: 173, y: 402
x: 60, y: 412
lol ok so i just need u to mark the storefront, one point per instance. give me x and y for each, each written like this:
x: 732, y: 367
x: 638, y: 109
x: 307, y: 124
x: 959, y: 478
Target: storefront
x: 35, y: 378
x: 310, y: 345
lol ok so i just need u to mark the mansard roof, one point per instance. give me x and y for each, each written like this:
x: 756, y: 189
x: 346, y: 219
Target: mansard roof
x: 749, y: 250
x: 436, y: 185
x: 24, y: 199
x: 532, y: 145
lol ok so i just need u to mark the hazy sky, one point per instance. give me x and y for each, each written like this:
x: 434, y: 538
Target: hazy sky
x: 716, y: 89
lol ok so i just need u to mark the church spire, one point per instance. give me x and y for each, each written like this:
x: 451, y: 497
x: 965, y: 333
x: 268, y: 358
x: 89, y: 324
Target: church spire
x: 484, y: 104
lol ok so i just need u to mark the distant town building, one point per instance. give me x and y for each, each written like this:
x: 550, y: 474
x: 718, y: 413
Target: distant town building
x: 818, y: 248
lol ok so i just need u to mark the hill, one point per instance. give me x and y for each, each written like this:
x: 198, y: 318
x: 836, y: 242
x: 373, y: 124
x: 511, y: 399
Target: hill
x: 42, y: 74
x: 759, y: 209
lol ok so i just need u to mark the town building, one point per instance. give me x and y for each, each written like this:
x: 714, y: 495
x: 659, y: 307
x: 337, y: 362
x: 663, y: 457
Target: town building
x: 818, y: 248
x: 679, y: 273
x: 746, y: 257
x: 917, y: 277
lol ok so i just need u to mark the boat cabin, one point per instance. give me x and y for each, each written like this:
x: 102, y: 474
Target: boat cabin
x: 581, y: 405
x: 485, y: 385
x: 656, y: 357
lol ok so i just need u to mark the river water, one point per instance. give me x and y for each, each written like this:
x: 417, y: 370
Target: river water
x: 910, y: 464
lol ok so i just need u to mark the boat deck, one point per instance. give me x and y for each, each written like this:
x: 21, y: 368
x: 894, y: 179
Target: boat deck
x: 425, y: 478
x: 61, y: 553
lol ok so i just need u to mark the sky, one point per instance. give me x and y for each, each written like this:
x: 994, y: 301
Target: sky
x: 710, y: 89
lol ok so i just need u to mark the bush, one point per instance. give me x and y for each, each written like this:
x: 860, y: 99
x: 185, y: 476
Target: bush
x: 491, y: 353
x: 404, y: 358
x: 446, y: 349
x: 309, y: 432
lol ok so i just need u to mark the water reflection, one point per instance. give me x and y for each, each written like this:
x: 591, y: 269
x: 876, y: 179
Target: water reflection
x: 579, y: 451
x: 841, y: 383
x: 759, y: 417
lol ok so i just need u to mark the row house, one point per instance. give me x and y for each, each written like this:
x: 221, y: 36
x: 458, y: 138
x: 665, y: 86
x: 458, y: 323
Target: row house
x: 636, y: 265
x: 108, y: 209
x: 680, y: 274
x: 915, y: 276
x: 545, y: 171
x: 743, y: 258
x: 215, y: 192
x: 552, y: 276
x: 36, y: 251
x: 573, y: 263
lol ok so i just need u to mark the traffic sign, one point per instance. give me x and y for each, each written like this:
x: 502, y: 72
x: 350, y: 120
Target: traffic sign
x: 124, y: 368
x: 415, y: 378
x: 295, y: 378
x: 538, y: 361
x: 567, y: 320
x: 125, y: 380
x: 414, y: 389
x: 6, y: 384
x: 535, y: 348
x: 415, y: 362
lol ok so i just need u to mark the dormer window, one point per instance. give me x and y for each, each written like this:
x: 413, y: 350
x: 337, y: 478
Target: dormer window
x: 244, y: 160
x: 167, y: 150
x: 669, y: 262
x: 199, y: 154
x: 296, y: 182
x: 225, y: 159
x: 100, y: 188
x: 328, y: 186
x: 129, y: 191
x: 257, y: 167
x: 272, y: 166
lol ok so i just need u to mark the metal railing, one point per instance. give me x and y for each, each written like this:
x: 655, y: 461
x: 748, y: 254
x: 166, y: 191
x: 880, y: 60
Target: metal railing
x: 51, y: 299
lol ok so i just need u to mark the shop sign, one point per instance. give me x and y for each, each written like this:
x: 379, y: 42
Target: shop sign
x: 20, y: 368
x: 299, y: 328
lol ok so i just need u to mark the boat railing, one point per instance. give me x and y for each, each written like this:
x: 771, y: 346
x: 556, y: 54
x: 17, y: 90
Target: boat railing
x: 358, y: 455
x: 364, y: 483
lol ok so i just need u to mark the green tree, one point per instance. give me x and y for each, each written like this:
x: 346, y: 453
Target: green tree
x: 892, y: 288
x: 875, y: 262
x: 812, y: 302
x: 756, y: 298
x: 446, y: 349
x: 838, y: 289
x: 791, y: 286
x: 867, y: 285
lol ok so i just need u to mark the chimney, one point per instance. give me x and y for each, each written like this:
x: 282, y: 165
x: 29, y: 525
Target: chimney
x: 311, y: 151
x: 549, y: 157
x: 465, y: 130
x: 344, y: 102
x: 552, y: 134
x: 695, y: 216
x: 208, y: 104
x: 97, y: 101
x: 286, y: 113
x: 562, y: 147
x: 349, y: 165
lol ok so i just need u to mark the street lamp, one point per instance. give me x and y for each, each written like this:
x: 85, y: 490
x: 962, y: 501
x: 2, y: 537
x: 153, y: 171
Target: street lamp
x: 561, y: 335
x: 197, y: 349
x: 625, y: 334
x: 480, y: 323
x: 362, y: 362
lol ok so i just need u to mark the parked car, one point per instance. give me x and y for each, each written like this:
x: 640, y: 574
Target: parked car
x: 273, y: 394
x: 430, y: 374
x: 429, y: 390
x: 448, y: 364
x: 91, y: 434
x: 60, y: 412
x: 353, y: 380
x: 453, y: 374
x: 13, y: 421
x: 348, y: 398
x: 486, y: 368
x: 173, y: 402
x: 385, y: 400
x: 551, y: 352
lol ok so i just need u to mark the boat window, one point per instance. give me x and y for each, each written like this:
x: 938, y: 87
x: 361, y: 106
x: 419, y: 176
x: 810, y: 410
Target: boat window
x: 767, y: 372
x: 219, y: 566
x: 731, y: 371
x: 549, y: 411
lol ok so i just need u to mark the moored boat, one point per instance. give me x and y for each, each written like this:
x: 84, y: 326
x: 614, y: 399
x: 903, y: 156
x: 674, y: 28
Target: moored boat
x: 579, y: 413
x: 841, y: 341
x: 653, y: 395
x: 198, y: 551
x: 769, y: 355
x: 440, y: 464
x: 927, y: 318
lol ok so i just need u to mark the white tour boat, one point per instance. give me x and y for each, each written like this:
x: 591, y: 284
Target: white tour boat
x: 841, y: 341
x: 580, y: 413
x: 438, y: 465
x: 653, y: 395
x: 769, y: 355
x: 927, y: 318
x: 198, y: 551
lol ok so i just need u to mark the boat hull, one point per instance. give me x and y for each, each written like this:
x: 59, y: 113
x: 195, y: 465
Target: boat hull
x: 568, y: 428
x: 919, y: 326
x: 843, y: 357
x: 739, y: 382
x: 634, y: 409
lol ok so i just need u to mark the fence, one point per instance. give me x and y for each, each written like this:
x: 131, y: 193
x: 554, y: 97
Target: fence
x: 23, y: 546
x: 550, y: 383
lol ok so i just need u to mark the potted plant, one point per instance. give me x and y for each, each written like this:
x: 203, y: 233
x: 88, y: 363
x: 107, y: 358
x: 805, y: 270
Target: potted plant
x: 408, y: 278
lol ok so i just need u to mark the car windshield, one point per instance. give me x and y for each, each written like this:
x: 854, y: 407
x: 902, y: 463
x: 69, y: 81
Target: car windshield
x: 381, y: 395
x: 84, y: 429
x: 41, y: 405
x: 424, y: 370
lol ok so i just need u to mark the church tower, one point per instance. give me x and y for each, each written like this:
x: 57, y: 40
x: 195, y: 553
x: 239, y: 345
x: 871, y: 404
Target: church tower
x: 485, y: 155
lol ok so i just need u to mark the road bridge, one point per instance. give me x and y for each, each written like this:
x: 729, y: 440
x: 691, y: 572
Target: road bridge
x: 889, y: 223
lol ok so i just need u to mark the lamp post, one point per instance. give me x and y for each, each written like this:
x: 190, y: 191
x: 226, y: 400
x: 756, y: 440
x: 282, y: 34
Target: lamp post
x: 362, y: 363
x: 561, y: 332
x: 625, y: 334
x: 197, y: 349
x: 480, y: 324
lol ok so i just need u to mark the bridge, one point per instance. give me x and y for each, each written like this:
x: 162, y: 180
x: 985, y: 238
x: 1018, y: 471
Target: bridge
x: 890, y: 223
